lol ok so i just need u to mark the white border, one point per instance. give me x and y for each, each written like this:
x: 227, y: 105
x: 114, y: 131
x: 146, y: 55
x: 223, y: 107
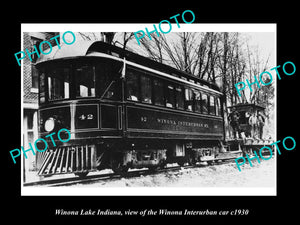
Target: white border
x: 143, y: 191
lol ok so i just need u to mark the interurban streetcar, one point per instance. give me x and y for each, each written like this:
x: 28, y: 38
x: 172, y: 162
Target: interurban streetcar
x: 124, y: 111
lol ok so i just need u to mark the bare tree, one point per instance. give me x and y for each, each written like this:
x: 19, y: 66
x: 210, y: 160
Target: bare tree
x: 256, y: 66
x: 222, y: 58
x: 181, y: 53
x: 107, y: 37
x: 85, y: 36
x: 154, y: 47
x: 226, y: 63
x: 126, y: 38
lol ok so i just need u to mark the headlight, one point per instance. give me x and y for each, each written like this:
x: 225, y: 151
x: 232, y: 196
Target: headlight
x: 49, y: 124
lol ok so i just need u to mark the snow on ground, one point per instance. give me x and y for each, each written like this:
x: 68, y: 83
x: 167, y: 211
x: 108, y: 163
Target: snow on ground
x: 224, y: 175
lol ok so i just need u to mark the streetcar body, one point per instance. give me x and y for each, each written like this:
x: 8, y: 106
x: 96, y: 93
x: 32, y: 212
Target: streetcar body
x: 124, y: 111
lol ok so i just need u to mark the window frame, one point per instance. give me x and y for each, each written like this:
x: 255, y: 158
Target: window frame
x: 145, y: 75
x: 47, y: 87
x: 219, y: 106
x: 154, y: 98
x: 138, y: 79
x: 195, y: 100
x: 178, y: 86
x: 206, y: 112
x: 191, y: 95
x: 91, y: 65
x: 169, y: 95
x: 212, y: 101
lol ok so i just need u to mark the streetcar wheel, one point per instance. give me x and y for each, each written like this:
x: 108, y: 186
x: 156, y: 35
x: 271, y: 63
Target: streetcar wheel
x: 118, y: 168
x: 160, y: 166
x: 81, y: 174
x: 121, y: 170
x: 163, y: 164
x: 191, y: 160
x: 181, y: 163
x: 211, y: 163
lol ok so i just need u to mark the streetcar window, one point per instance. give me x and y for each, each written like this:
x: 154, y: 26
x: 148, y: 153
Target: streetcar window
x: 204, y: 104
x: 158, y: 89
x: 218, y: 107
x: 179, y: 98
x: 113, y: 91
x: 188, y: 99
x: 132, y: 81
x: 170, y: 96
x: 108, y: 87
x: 146, y: 89
x: 85, y: 81
x: 58, y: 83
x: 212, y: 109
x: 197, y: 101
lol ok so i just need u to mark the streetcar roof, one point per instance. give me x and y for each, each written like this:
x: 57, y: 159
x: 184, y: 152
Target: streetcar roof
x: 90, y: 48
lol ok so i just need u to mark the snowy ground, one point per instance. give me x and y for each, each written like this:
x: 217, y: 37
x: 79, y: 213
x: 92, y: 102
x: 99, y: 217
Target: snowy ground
x: 224, y: 175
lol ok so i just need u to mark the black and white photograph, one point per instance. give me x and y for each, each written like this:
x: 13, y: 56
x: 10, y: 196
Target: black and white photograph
x: 187, y: 110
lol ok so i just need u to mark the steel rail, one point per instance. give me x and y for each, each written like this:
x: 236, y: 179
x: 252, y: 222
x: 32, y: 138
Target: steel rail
x: 110, y: 176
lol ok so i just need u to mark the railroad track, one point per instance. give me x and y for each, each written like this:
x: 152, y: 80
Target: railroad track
x: 111, y: 176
